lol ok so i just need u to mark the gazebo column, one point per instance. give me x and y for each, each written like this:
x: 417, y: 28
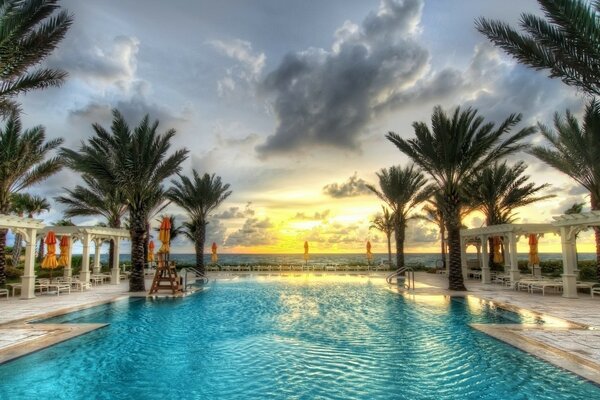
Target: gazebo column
x: 115, y: 277
x: 535, y: 268
x: 463, y: 257
x: 486, y: 276
x: 98, y: 244
x: 515, y: 275
x: 28, y: 278
x: 84, y: 275
x: 569, y: 256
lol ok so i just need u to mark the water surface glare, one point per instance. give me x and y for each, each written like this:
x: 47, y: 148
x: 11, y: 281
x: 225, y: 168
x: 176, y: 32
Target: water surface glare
x: 289, y: 339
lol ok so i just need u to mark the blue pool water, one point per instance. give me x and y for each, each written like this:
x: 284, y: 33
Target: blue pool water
x: 278, y: 338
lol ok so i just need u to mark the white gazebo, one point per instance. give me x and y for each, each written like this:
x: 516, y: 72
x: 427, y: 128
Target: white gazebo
x: 511, y: 234
x: 570, y: 225
x: 28, y: 229
x: 89, y: 235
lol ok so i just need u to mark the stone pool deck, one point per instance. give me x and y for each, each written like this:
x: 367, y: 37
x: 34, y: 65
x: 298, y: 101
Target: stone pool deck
x: 569, y: 339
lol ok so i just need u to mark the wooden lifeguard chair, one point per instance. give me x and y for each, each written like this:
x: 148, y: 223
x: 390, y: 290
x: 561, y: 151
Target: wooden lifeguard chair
x: 165, y: 277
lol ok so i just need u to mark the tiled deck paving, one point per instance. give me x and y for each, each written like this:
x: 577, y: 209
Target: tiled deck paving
x: 576, y: 348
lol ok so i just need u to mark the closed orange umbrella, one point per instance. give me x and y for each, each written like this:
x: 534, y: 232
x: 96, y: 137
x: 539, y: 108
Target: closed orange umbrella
x: 151, y: 251
x: 369, y: 254
x: 497, y: 254
x: 534, y: 258
x: 63, y: 260
x: 164, y: 235
x: 306, y: 251
x: 214, y: 257
x: 50, y: 262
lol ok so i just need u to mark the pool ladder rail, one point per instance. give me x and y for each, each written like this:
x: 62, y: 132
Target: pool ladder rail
x: 197, y: 277
x: 404, y: 276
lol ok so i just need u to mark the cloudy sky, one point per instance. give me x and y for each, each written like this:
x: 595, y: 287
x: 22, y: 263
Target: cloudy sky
x: 289, y: 102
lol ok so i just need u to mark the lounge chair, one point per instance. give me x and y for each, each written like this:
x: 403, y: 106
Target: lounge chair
x: 595, y: 290
x: 4, y: 292
x: 543, y: 285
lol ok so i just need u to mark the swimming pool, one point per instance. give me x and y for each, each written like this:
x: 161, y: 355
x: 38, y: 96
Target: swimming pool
x: 289, y: 339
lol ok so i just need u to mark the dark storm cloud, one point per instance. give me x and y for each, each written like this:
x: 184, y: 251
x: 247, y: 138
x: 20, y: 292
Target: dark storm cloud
x: 328, y: 97
x: 235, y: 212
x: 255, y: 232
x: 317, y: 216
x: 353, y: 187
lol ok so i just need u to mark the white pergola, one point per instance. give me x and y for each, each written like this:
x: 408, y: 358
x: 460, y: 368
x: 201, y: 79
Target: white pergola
x: 88, y: 235
x: 570, y: 225
x: 28, y: 229
x: 511, y: 234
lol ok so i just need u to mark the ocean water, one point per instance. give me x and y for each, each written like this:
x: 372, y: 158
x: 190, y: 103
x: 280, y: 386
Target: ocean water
x: 426, y: 259
x: 285, y: 338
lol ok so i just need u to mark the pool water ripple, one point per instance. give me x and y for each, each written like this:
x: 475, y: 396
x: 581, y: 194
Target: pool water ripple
x: 289, y: 340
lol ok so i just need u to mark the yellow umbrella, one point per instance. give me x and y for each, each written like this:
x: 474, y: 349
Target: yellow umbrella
x: 306, y: 251
x: 369, y: 254
x: 164, y: 235
x: 534, y: 258
x: 151, y: 251
x: 63, y: 260
x: 497, y: 254
x: 50, y: 261
x: 214, y: 257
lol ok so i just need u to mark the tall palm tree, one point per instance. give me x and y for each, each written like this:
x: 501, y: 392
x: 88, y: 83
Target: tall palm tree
x: 29, y: 31
x: 575, y: 150
x: 456, y: 148
x: 96, y: 198
x: 24, y: 161
x: 576, y: 208
x: 564, y: 42
x: 498, y: 190
x: 32, y: 206
x: 384, y: 222
x: 199, y: 196
x: 402, y: 189
x: 138, y: 163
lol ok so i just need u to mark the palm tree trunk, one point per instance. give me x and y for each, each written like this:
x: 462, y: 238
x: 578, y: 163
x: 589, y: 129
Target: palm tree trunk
x: 455, y: 278
x: 596, y: 206
x: 491, y: 252
x: 199, y: 245
x: 16, y: 253
x: 40, y: 256
x: 389, y: 240
x: 146, y: 243
x: 138, y: 231
x: 399, y: 233
x: 443, y: 244
x: 3, y: 233
x: 111, y: 253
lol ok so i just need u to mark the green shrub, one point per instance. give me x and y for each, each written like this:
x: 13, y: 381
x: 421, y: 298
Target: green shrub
x: 13, y: 273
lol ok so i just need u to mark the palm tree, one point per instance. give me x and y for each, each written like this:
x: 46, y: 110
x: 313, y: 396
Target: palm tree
x: 384, y: 222
x: 565, y: 42
x: 576, y: 208
x: 29, y: 31
x: 498, y: 190
x: 575, y: 150
x: 32, y: 206
x: 24, y: 161
x: 138, y: 162
x: 199, y: 196
x: 96, y: 198
x: 433, y: 214
x: 402, y: 189
x: 457, y: 147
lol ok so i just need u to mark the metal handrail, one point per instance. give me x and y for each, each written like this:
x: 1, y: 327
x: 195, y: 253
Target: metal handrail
x: 198, y: 274
x: 409, y: 282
